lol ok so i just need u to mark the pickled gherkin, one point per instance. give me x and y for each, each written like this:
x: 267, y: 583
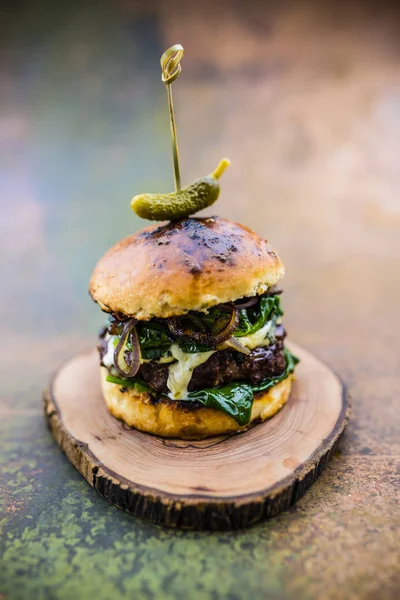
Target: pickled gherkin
x: 177, y: 205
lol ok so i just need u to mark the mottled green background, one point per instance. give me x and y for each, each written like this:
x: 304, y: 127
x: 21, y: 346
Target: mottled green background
x: 304, y: 99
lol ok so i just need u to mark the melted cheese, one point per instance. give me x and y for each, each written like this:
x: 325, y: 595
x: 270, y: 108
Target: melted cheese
x: 258, y: 338
x: 180, y: 373
x: 108, y: 358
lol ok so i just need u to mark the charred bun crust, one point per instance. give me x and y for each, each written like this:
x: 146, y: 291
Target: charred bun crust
x: 191, y: 264
x: 186, y: 420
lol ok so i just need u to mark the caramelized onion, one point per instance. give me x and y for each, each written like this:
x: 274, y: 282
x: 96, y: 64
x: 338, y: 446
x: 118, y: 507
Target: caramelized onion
x: 119, y: 316
x: 235, y: 345
x: 230, y: 328
x: 179, y: 329
x: 247, y: 304
x: 129, y: 330
x: 197, y: 321
x: 116, y: 323
x: 273, y: 291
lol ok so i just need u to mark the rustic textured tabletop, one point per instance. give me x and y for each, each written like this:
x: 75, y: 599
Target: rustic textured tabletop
x: 305, y: 100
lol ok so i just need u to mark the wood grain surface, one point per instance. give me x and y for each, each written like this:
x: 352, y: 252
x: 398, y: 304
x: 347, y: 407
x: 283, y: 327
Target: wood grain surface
x: 306, y: 106
x: 224, y: 482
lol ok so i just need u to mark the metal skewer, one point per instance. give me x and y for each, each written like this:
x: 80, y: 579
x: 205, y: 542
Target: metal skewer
x: 171, y: 69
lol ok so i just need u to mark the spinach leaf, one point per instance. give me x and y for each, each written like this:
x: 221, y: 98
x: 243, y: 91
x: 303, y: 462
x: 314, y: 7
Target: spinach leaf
x: 191, y: 346
x: 269, y: 306
x: 154, y: 353
x: 138, y: 384
x: 244, y: 324
x: 153, y: 335
x: 235, y: 399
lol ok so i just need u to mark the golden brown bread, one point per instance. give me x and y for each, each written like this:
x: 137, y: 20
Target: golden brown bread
x: 192, y: 264
x: 170, y: 418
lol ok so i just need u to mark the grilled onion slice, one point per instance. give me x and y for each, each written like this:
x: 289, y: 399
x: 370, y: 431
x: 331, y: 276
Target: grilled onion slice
x: 248, y: 303
x: 129, y: 331
x: 234, y: 344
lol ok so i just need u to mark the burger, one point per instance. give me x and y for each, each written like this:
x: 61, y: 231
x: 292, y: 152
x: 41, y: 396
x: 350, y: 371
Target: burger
x: 194, y: 342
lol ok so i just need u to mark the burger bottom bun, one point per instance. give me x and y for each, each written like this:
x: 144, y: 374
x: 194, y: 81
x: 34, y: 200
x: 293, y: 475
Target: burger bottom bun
x: 170, y: 419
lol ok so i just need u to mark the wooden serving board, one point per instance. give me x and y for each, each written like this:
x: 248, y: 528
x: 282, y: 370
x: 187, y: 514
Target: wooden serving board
x: 225, y: 482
